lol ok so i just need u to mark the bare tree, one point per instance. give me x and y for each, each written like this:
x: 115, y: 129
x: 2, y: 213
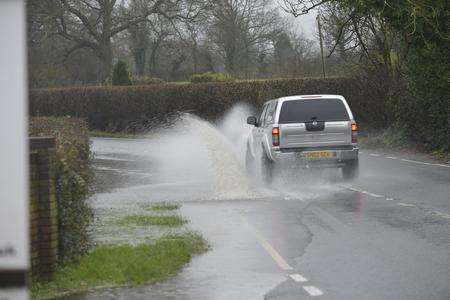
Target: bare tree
x: 237, y: 26
x: 93, y: 23
x: 361, y: 39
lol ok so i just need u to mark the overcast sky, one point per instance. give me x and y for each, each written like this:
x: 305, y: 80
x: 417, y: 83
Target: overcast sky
x: 306, y: 24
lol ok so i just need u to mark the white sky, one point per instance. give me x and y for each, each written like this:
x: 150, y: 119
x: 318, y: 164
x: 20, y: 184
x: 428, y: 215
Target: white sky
x: 306, y: 24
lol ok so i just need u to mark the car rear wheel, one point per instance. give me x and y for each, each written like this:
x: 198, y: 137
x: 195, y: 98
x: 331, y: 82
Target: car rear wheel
x: 351, y: 169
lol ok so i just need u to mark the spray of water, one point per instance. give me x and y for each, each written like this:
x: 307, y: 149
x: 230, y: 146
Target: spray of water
x: 198, y: 160
x: 197, y: 153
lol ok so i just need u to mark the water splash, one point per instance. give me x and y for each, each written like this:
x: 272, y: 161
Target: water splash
x: 228, y: 173
x: 195, y: 159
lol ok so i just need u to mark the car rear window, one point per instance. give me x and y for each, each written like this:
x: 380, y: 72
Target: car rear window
x: 295, y: 111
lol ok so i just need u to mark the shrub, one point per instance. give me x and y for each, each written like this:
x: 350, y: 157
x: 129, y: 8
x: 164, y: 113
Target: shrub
x: 394, y: 137
x: 124, y: 108
x: 73, y: 177
x: 211, y: 77
x: 146, y: 80
x: 121, y: 76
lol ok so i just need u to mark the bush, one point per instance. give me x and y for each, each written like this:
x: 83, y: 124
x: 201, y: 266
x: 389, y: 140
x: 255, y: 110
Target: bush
x: 121, y: 76
x: 124, y: 108
x: 211, y: 77
x: 394, y: 137
x: 73, y: 177
x: 146, y: 80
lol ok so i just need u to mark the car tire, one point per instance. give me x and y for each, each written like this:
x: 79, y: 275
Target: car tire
x: 267, y: 169
x: 351, y: 170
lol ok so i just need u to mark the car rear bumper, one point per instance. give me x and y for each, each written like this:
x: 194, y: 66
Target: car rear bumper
x: 300, y: 156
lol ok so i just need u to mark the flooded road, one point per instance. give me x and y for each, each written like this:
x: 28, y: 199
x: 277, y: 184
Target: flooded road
x: 383, y: 236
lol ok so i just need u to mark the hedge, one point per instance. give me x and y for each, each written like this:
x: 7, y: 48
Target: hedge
x: 73, y: 179
x: 121, y: 108
x: 211, y: 77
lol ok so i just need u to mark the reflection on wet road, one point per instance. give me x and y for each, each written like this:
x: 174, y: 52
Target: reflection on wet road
x: 304, y: 238
x: 385, y: 235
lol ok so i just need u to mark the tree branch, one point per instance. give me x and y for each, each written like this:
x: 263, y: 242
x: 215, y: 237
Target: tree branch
x: 299, y: 7
x: 341, y: 30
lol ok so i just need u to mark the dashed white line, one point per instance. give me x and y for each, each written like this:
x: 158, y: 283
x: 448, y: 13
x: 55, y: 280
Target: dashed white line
x: 411, y: 161
x: 440, y: 214
x: 425, y: 163
x: 312, y: 290
x: 365, y: 192
x: 298, y: 278
x: 268, y: 247
x: 435, y: 212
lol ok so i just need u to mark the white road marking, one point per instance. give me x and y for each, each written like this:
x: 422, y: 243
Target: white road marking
x: 291, y: 196
x: 435, y: 212
x: 268, y: 247
x: 365, y: 192
x: 440, y: 214
x: 298, y: 278
x: 412, y: 161
x: 312, y: 290
x: 425, y: 163
x: 361, y: 152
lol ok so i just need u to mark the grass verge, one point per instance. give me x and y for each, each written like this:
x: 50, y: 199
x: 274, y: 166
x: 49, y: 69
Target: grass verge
x: 164, y: 206
x: 145, y: 220
x: 123, y: 265
x: 395, y: 138
x: 107, y: 134
x: 392, y: 138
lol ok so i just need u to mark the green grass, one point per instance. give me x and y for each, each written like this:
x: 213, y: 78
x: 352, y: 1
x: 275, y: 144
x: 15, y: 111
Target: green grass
x: 164, y: 206
x: 391, y: 138
x: 441, y: 155
x: 145, y: 220
x: 108, y: 266
x: 107, y: 134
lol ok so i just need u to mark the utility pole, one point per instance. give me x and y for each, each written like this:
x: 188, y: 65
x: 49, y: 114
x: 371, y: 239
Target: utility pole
x: 321, y: 45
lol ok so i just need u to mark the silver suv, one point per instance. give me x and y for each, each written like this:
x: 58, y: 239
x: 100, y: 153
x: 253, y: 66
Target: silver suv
x: 311, y: 131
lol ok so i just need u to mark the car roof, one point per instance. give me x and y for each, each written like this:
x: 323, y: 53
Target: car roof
x: 316, y: 96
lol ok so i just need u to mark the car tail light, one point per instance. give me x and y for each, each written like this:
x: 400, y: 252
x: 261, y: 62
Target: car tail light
x: 354, y: 133
x: 275, y: 136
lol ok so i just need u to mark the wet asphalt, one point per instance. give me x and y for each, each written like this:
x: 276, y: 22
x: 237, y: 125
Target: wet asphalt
x: 385, y: 235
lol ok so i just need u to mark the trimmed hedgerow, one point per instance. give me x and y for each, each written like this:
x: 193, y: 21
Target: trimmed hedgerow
x: 211, y: 77
x: 73, y: 178
x: 116, y: 108
x: 146, y: 80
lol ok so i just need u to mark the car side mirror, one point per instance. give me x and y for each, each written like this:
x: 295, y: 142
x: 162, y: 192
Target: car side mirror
x: 251, y: 121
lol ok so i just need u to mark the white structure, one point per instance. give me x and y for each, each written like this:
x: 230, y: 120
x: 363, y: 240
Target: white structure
x: 14, y: 244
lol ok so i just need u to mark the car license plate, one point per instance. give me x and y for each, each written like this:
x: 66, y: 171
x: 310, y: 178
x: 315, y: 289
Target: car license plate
x: 319, y: 154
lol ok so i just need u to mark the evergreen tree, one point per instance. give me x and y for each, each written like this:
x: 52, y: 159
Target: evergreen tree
x: 121, y: 76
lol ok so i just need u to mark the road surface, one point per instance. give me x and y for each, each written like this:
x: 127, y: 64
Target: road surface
x: 385, y: 235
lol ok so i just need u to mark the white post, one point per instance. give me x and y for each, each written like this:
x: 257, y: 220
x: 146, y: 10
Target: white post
x: 14, y: 240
